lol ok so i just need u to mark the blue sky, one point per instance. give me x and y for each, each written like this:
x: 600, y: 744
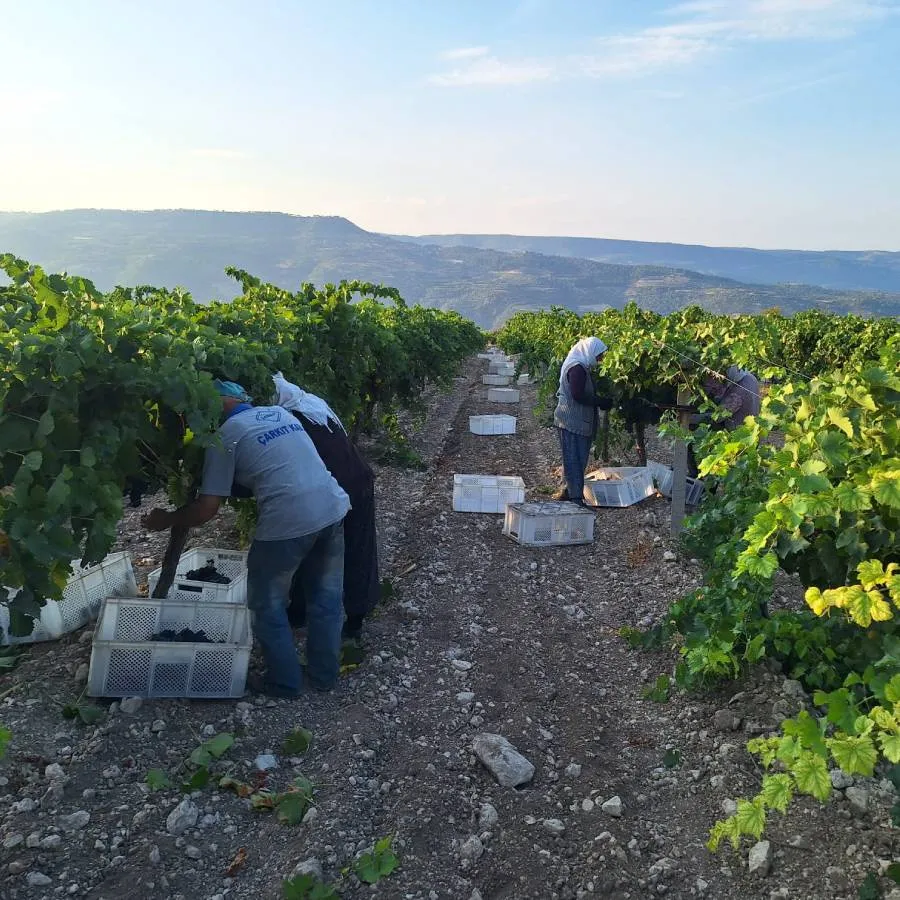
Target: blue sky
x: 771, y: 123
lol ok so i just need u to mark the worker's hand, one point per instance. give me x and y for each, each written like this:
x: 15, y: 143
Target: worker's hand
x: 157, y: 520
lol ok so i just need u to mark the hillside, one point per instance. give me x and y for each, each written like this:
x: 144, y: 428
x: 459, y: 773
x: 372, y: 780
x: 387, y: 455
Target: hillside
x: 191, y: 248
x: 836, y: 269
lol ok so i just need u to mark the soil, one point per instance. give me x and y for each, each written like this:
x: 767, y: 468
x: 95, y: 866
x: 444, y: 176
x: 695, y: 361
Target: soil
x: 481, y: 635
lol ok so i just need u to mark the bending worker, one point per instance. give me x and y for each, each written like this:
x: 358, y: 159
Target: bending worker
x: 301, y: 512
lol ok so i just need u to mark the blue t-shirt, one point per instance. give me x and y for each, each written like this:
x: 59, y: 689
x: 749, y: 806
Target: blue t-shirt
x: 266, y: 449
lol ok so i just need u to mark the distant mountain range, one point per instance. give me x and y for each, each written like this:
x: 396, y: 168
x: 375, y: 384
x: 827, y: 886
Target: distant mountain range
x: 192, y: 247
x: 846, y: 270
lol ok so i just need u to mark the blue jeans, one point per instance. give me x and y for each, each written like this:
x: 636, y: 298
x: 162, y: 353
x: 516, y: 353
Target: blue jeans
x: 576, y: 449
x: 270, y: 569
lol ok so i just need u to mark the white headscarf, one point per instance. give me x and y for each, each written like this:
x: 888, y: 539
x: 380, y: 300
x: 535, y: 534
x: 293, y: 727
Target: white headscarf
x: 293, y: 398
x: 584, y: 353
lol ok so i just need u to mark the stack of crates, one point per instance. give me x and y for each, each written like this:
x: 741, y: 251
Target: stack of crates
x: 195, y: 643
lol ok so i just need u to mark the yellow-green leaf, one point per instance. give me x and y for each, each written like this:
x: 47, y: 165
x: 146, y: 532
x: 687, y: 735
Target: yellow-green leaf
x: 751, y: 817
x: 811, y: 774
x: 816, y: 601
x: 855, y: 755
x: 890, y: 746
x: 886, y: 488
x: 777, y: 791
x: 838, y: 417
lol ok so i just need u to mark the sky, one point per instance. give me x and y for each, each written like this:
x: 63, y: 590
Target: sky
x: 766, y: 123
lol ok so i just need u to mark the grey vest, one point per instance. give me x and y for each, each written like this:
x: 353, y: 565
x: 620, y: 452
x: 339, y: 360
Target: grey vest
x: 579, y: 418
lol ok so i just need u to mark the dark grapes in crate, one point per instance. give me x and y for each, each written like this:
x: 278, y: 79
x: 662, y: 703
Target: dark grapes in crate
x: 209, y: 574
x: 185, y: 636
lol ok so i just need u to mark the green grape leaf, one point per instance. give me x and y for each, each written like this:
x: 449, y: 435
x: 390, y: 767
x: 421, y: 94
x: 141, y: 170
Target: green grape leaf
x: 297, y: 742
x: 157, y: 780
x: 886, y: 489
x: 5, y: 739
x: 890, y: 746
x: 777, y: 791
x: 811, y: 776
x: 855, y: 755
x: 197, y: 781
x: 751, y: 817
x: 291, y: 808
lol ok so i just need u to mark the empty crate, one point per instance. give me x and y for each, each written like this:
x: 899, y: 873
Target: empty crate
x: 81, y: 599
x: 665, y: 477
x: 662, y: 476
x: 125, y: 662
x: 496, y: 380
x: 502, y: 368
x: 503, y: 395
x: 623, y: 486
x: 230, y: 563
x: 492, y: 424
x: 549, y: 523
x: 486, y: 493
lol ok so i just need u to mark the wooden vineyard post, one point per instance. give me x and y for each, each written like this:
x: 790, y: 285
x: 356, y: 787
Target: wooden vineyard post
x: 679, y: 475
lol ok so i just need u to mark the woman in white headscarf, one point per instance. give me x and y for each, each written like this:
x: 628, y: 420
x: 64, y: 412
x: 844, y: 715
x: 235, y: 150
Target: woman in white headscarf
x: 361, y: 583
x: 575, y: 416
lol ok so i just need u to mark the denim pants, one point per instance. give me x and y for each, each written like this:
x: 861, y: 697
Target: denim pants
x: 270, y: 569
x: 576, y: 449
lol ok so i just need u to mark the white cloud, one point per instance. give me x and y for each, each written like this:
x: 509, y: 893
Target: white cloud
x: 488, y: 70
x: 465, y: 53
x: 696, y: 29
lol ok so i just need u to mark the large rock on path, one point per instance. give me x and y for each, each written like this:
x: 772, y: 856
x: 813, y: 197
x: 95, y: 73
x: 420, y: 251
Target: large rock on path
x: 503, y: 761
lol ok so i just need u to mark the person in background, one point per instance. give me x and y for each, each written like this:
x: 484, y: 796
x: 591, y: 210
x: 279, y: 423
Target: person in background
x: 576, y: 414
x: 736, y: 391
x: 301, y: 511
x: 361, y: 583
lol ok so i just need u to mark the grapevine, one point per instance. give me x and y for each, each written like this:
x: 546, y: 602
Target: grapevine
x: 103, y: 392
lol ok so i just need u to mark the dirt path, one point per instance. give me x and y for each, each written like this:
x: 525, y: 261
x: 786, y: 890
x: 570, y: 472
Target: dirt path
x: 483, y: 635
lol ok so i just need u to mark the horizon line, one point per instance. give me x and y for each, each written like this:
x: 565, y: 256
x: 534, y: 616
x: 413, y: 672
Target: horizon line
x: 436, y: 234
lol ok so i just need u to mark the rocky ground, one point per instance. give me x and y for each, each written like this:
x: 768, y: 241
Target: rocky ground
x: 482, y: 636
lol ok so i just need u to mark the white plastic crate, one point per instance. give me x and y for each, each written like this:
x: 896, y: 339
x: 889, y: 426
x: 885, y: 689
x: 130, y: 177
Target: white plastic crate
x: 496, y: 380
x: 231, y: 563
x: 126, y: 663
x: 486, y: 493
x: 524, y: 378
x: 503, y: 395
x: 81, y: 599
x: 492, y: 424
x: 502, y: 368
x: 623, y: 486
x: 663, y: 476
x: 549, y: 523
x: 48, y: 627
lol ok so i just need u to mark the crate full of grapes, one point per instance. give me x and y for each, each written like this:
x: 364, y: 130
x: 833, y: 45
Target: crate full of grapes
x: 170, y: 648
x: 208, y: 574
